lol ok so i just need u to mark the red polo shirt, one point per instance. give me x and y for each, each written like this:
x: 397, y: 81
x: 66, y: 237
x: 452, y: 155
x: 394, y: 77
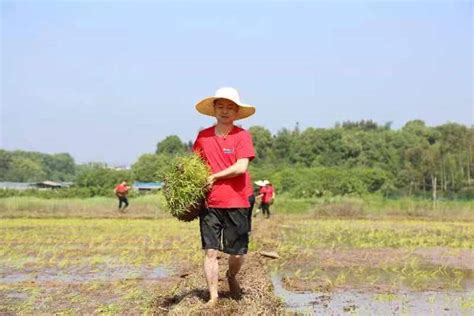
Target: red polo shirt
x: 267, y: 196
x: 221, y: 153
x: 263, y: 191
x: 120, y: 188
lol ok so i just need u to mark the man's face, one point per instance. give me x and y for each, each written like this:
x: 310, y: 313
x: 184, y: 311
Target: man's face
x: 225, y: 110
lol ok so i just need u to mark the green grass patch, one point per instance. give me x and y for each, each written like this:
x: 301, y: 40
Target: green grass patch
x: 377, y: 233
x: 391, y: 254
x: 144, y: 206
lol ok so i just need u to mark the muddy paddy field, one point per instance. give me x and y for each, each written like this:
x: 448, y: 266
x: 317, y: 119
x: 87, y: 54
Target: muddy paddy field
x: 333, y: 259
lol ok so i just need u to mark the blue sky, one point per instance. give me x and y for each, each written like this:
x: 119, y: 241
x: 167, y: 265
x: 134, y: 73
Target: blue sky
x: 105, y: 81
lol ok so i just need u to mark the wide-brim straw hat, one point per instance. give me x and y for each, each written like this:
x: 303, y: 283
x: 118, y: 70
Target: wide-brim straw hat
x: 206, y: 106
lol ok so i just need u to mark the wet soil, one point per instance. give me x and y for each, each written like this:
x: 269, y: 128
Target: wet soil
x: 368, y: 302
x: 182, y: 290
x: 190, y: 294
x: 258, y: 296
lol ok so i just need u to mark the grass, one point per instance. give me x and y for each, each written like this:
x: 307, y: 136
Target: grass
x: 375, y: 206
x: 381, y: 233
x: 154, y: 206
x: 390, y: 254
x: 143, y: 206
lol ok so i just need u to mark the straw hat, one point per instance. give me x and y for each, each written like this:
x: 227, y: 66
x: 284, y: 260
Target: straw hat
x: 206, y: 106
x: 260, y: 183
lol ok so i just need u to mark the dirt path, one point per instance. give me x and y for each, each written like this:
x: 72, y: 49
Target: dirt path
x: 190, y: 292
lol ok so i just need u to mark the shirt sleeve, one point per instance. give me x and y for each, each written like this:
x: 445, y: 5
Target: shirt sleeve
x: 245, y: 147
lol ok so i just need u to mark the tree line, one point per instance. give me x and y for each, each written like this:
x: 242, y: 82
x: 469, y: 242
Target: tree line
x: 353, y: 157
x: 350, y: 158
x: 26, y: 166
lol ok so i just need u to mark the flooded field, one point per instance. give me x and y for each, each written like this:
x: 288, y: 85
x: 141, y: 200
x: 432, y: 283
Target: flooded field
x: 325, y: 266
x: 89, y: 266
x: 351, y: 301
x: 85, y: 274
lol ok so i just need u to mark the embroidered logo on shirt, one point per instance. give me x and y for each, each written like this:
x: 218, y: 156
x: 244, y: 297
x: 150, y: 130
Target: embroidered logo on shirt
x: 228, y: 150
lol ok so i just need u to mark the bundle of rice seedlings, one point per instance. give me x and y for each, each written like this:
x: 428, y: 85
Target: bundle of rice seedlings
x: 186, y: 187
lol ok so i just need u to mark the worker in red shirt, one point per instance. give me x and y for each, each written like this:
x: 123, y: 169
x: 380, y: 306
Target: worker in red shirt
x: 224, y: 224
x: 267, y: 196
x: 121, y: 191
x: 260, y: 192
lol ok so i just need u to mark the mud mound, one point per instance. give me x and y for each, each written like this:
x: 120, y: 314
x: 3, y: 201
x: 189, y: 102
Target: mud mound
x: 190, y: 294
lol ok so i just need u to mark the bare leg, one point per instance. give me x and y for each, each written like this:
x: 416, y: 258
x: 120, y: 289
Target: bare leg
x: 235, y: 263
x: 211, y: 272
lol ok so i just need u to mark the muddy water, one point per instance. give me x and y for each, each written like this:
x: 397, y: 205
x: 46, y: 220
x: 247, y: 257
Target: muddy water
x: 85, y: 274
x: 364, y: 303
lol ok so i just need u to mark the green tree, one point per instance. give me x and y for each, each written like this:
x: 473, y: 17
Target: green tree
x: 263, y: 143
x: 5, y: 165
x: 59, y: 167
x: 171, y: 145
x: 26, y: 170
x: 150, y: 167
x: 99, y: 179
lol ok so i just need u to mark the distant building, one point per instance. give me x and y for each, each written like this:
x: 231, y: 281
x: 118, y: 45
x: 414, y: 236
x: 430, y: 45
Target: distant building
x: 34, y: 185
x: 147, y: 186
x: 17, y: 185
x: 52, y: 185
x: 119, y: 168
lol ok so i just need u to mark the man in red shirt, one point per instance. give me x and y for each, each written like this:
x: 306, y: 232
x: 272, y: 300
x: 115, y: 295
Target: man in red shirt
x: 224, y: 224
x: 121, y: 191
x: 261, y: 191
x: 267, y: 195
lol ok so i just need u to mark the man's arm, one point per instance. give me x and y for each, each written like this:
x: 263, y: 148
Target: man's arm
x: 238, y: 168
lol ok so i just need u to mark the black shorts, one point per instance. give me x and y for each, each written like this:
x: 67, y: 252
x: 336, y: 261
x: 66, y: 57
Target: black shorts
x: 226, y: 230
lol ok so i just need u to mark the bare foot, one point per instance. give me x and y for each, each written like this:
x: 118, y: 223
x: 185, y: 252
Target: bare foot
x: 211, y: 303
x: 234, y: 285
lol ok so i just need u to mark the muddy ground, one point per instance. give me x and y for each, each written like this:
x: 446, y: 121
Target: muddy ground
x: 190, y: 293
x: 114, y: 288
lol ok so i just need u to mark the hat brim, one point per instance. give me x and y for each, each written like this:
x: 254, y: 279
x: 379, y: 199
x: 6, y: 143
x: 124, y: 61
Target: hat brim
x: 206, y: 107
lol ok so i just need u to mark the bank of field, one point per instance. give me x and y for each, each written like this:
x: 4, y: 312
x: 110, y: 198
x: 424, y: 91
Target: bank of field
x: 145, y: 206
x: 100, y: 261
x: 151, y: 206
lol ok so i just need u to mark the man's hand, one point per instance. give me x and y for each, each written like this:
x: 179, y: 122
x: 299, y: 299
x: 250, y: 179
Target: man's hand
x: 210, y: 180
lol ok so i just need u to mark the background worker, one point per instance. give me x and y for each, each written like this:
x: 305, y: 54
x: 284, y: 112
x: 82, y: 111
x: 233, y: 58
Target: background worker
x: 260, y: 192
x: 268, y: 195
x: 121, y: 191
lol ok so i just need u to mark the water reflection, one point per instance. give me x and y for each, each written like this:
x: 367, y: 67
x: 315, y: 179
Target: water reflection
x: 86, y: 274
x: 365, y: 303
